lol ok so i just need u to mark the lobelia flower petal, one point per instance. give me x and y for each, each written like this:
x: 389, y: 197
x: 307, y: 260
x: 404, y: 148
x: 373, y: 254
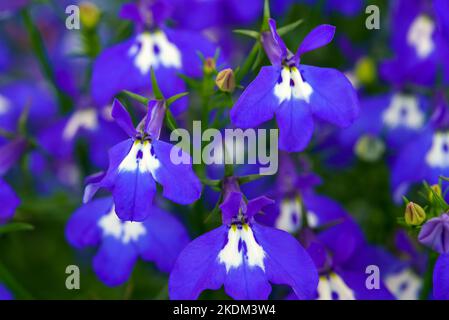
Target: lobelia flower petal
x: 273, y: 44
x: 10, y: 201
x: 5, y: 294
x: 333, y: 98
x: 255, y: 205
x: 114, y: 261
x: 318, y: 37
x: 231, y: 206
x: 257, y: 103
x: 182, y: 191
x: 295, y: 124
x: 287, y: 262
x: 441, y: 278
x: 164, y: 241
x: 197, y: 268
x: 154, y: 118
x: 10, y: 153
x: 122, y: 117
x: 82, y: 228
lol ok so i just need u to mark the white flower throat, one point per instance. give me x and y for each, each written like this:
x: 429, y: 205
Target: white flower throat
x: 241, y: 247
x: 154, y: 50
x: 332, y: 287
x: 292, y: 86
x: 438, y: 155
x: 403, y: 111
x: 420, y: 34
x: 125, y: 231
x: 141, y: 157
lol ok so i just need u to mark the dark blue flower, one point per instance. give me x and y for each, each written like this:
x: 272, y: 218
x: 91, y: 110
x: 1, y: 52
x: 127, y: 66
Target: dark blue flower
x: 296, y: 93
x: 159, y: 239
x: 242, y: 255
x: 136, y: 164
x: 5, y: 294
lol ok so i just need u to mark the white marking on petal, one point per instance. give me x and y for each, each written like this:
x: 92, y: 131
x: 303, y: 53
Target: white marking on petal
x: 125, y: 231
x: 403, y: 111
x: 140, y: 158
x: 5, y: 105
x: 420, y: 34
x: 334, y: 284
x: 312, y: 219
x: 292, y: 86
x: 154, y: 50
x: 82, y: 119
x: 438, y: 155
x: 232, y: 257
x: 404, y: 285
x: 290, y: 215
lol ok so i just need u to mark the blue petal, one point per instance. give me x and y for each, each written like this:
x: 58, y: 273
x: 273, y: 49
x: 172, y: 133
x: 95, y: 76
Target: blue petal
x: 247, y: 283
x: 82, y: 228
x: 257, y: 103
x: 164, y: 240
x: 5, y: 294
x: 333, y: 99
x: 114, y: 261
x: 122, y: 117
x: 295, y: 124
x: 287, y: 262
x: 9, y: 201
x: 318, y: 37
x: 441, y: 278
x: 196, y: 268
x: 182, y: 191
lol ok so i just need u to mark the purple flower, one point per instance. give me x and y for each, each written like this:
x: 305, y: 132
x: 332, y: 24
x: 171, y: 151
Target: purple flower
x: 5, y: 294
x: 296, y: 93
x: 242, y: 255
x: 418, y: 41
x: 136, y: 164
x: 10, y: 201
x: 427, y: 156
x: 159, y: 239
x: 435, y: 234
x: 441, y: 278
x: 169, y: 52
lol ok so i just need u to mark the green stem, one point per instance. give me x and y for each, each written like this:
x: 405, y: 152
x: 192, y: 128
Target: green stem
x: 248, y: 64
x: 40, y: 51
x: 12, y: 284
x: 428, y: 276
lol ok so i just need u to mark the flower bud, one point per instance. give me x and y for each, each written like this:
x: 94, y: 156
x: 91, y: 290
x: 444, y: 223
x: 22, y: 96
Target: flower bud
x: 209, y: 65
x: 435, y: 234
x: 365, y: 71
x: 89, y: 14
x: 436, y: 190
x: 414, y: 214
x: 225, y: 80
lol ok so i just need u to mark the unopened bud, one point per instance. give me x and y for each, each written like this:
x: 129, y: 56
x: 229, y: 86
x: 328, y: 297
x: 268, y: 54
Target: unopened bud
x: 365, y: 70
x: 89, y: 14
x: 209, y: 65
x: 225, y: 80
x: 414, y: 214
x: 435, y: 190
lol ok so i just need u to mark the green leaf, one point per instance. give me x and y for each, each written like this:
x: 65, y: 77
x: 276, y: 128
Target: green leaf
x: 136, y: 97
x: 170, y: 121
x: 249, y: 33
x: 176, y: 97
x: 155, y: 86
x: 15, y: 226
x: 290, y: 27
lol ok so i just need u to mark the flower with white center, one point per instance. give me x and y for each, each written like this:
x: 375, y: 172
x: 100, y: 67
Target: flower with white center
x: 438, y: 155
x: 332, y: 287
x: 154, y: 50
x: 125, y: 231
x: 404, y: 285
x: 420, y: 35
x: 241, y: 248
x: 141, y: 158
x: 81, y: 119
x: 404, y: 111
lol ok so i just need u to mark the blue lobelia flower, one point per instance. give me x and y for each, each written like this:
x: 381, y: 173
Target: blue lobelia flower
x: 169, y: 52
x: 242, y: 255
x: 296, y: 93
x: 5, y: 294
x: 441, y: 278
x: 136, y: 164
x: 419, y: 41
x: 159, y: 239
x: 427, y: 156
